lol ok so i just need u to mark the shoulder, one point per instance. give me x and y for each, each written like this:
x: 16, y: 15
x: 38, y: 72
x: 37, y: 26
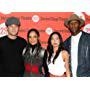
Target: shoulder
x: 20, y: 38
x: 68, y: 39
x: 65, y: 54
x: 85, y: 34
x: 43, y: 51
x: 25, y: 50
x: 3, y: 38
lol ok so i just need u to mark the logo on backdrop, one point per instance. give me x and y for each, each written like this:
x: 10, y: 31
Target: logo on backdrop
x: 35, y: 18
x: 87, y: 28
x: 49, y: 30
x: 3, y: 30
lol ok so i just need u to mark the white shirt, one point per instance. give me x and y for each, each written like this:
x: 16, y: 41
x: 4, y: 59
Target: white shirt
x: 58, y: 67
x: 74, y: 53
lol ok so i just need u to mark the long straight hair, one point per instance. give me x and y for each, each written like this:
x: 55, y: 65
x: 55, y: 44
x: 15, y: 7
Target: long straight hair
x: 28, y: 44
x: 50, y: 47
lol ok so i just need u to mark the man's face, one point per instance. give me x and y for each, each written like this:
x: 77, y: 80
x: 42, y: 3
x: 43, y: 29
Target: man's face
x: 74, y: 27
x: 13, y: 30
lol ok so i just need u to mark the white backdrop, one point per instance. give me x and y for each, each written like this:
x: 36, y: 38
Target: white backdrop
x: 7, y: 6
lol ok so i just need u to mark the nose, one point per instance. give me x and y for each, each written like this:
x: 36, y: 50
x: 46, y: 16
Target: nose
x: 73, y: 25
x: 55, y: 40
x: 32, y: 38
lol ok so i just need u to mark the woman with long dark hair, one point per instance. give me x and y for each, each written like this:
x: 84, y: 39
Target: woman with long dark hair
x: 35, y: 56
x: 57, y: 57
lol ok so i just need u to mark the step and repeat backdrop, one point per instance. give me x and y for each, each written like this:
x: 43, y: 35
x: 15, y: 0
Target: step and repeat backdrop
x: 44, y: 22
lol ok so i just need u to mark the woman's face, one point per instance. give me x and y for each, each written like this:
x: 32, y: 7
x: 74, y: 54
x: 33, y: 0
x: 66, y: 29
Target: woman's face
x: 55, y: 40
x: 33, y: 38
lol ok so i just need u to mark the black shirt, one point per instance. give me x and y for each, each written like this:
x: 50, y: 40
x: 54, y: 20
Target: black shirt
x: 11, y: 61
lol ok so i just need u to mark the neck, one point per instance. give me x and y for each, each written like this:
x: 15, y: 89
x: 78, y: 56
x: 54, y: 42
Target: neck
x: 74, y: 34
x: 12, y: 37
x: 55, y: 49
x: 32, y: 45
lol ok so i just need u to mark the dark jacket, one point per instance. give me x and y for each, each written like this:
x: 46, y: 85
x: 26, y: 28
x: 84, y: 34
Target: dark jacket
x: 83, y: 68
x: 34, y: 60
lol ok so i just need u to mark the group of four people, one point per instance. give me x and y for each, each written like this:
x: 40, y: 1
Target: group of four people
x: 29, y: 59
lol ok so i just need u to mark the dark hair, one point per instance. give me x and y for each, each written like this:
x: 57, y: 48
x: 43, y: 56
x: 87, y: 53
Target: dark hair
x: 36, y: 31
x: 50, y: 47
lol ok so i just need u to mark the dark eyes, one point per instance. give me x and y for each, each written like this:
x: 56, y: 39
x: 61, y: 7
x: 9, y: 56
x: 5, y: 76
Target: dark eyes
x: 54, y: 38
x: 29, y: 36
x: 33, y: 37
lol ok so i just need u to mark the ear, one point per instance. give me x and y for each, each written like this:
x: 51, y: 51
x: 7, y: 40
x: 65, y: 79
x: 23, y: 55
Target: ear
x: 38, y: 38
x: 67, y: 26
x: 6, y: 28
